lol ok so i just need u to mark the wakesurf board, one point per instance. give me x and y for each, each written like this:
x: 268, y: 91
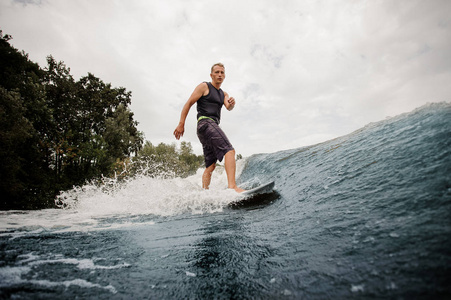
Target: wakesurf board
x: 262, y: 189
x: 256, y: 197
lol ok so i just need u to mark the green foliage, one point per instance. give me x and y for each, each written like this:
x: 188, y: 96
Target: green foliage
x: 166, y: 160
x: 57, y: 132
x: 14, y: 131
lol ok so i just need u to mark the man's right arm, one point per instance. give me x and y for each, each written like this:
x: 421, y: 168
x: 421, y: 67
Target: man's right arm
x: 198, y: 92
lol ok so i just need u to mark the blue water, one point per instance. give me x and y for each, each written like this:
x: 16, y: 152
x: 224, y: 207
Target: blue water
x: 363, y: 216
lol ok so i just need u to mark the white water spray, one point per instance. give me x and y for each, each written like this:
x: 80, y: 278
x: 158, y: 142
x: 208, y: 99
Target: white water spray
x: 121, y: 203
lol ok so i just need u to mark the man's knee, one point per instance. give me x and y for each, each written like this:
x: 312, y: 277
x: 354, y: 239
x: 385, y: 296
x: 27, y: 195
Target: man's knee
x: 231, y: 152
x: 211, y: 167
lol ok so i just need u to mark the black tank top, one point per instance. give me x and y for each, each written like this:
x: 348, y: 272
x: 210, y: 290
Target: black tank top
x: 210, y: 105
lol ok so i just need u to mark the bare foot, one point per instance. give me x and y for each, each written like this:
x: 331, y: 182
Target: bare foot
x: 238, y: 190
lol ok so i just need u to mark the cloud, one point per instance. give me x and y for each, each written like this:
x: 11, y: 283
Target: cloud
x: 302, y: 72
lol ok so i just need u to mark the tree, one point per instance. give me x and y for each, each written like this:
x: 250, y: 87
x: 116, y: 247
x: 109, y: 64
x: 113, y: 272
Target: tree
x: 57, y: 132
x: 167, y: 161
x: 15, y: 129
x: 26, y: 113
x: 121, y: 134
x: 193, y: 161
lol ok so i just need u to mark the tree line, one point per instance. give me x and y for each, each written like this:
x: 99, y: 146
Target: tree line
x: 57, y: 132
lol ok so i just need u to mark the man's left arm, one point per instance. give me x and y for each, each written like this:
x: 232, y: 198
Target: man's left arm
x: 229, y: 102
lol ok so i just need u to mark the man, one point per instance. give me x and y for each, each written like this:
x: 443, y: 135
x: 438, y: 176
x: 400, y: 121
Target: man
x: 210, y: 99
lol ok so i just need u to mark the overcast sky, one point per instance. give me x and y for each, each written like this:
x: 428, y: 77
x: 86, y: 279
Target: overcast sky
x: 302, y: 72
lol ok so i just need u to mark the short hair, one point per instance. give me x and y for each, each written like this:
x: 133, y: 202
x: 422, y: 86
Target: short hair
x: 217, y: 64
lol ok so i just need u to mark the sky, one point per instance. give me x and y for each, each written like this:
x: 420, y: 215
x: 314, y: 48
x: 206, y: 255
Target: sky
x: 302, y: 71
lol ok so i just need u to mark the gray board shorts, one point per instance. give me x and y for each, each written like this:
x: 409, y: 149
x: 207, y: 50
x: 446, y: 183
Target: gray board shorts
x: 214, y: 141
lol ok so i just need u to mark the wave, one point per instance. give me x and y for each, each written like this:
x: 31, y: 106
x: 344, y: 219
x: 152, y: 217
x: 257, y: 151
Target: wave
x: 397, y: 156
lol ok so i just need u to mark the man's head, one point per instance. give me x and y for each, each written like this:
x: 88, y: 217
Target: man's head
x: 217, y: 65
x: 217, y: 74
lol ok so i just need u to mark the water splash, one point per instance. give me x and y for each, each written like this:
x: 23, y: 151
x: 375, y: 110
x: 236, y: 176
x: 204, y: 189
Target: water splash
x: 150, y: 195
x: 121, y: 202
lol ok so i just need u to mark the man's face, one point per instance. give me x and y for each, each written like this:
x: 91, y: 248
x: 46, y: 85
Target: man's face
x: 218, y: 74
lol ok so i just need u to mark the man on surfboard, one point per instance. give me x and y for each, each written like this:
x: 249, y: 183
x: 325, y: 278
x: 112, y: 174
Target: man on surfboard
x: 210, y: 98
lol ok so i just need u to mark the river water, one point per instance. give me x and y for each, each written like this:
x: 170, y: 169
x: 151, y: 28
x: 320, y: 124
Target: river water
x: 363, y: 216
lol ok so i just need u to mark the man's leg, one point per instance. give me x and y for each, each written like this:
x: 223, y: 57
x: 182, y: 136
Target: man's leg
x: 206, y: 177
x: 230, y: 167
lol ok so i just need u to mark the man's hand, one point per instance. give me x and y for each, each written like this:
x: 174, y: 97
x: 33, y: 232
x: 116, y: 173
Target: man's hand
x: 178, y: 132
x: 229, y: 102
